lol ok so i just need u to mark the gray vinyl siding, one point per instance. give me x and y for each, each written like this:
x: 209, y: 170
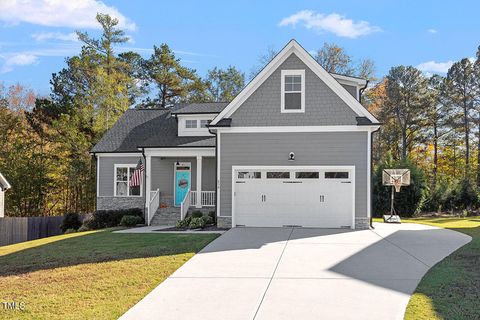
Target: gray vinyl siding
x: 322, y: 105
x: 209, y: 174
x: 269, y: 149
x: 106, y: 199
x: 107, y: 173
x: 163, y: 171
x: 351, y: 89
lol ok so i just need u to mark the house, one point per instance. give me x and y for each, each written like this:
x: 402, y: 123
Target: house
x: 292, y: 148
x: 4, y: 186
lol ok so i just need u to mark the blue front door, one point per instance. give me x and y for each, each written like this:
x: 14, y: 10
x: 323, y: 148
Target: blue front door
x: 182, y: 185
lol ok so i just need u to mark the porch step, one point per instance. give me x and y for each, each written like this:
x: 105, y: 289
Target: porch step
x: 166, y: 216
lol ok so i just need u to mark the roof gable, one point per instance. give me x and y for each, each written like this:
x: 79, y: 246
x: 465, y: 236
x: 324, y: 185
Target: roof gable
x: 294, y: 48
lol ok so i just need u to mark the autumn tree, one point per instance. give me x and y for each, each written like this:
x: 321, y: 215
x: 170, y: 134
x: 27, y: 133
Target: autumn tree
x: 460, y: 93
x: 406, y: 90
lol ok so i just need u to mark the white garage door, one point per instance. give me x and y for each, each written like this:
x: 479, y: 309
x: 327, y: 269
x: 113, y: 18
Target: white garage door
x: 308, y: 197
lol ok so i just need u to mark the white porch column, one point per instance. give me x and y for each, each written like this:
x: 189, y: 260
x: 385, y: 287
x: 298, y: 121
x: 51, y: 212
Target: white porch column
x: 148, y: 181
x: 199, y: 182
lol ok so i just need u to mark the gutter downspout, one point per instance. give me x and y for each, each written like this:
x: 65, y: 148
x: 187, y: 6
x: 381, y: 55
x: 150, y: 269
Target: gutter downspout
x: 360, y: 92
x: 216, y: 170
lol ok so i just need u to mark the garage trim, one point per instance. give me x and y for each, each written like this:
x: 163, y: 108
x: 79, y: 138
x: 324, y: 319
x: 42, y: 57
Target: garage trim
x: 351, y: 168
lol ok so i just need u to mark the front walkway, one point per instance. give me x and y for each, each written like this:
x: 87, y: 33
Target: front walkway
x: 300, y: 273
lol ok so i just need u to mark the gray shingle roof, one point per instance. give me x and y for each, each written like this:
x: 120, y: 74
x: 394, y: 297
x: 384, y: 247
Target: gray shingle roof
x: 146, y: 128
x: 205, y: 107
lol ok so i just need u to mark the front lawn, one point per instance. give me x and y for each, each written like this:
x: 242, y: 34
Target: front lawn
x: 89, y: 275
x: 451, y: 289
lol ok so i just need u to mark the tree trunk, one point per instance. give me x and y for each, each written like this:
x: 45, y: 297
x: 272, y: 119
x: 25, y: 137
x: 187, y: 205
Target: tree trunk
x: 478, y: 151
x: 467, y: 142
x: 404, y: 143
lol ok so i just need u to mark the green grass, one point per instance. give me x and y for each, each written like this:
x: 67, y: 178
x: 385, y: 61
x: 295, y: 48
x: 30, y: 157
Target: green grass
x: 451, y: 289
x: 89, y: 275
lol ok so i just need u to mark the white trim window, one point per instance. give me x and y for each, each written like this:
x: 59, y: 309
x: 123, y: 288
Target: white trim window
x: 191, y: 124
x: 122, y: 177
x: 293, y: 91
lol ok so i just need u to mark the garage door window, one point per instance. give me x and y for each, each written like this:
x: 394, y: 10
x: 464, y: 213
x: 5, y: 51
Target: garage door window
x: 307, y: 175
x: 248, y: 175
x: 278, y: 175
x: 336, y: 175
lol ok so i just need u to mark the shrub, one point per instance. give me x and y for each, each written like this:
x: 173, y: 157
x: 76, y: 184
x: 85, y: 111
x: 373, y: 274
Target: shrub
x: 466, y: 195
x: 440, y: 198
x: 197, y: 214
x: 71, y: 220
x: 196, y: 223
x: 130, y: 221
x: 70, y: 230
x: 409, y: 200
x: 183, y: 223
x: 207, y: 219
x: 110, y: 218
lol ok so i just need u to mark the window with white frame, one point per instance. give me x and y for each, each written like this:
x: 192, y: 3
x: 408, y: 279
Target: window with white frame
x: 191, y: 124
x: 123, y: 181
x: 204, y: 123
x: 293, y: 91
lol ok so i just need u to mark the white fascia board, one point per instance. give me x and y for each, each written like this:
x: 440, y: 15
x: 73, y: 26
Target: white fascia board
x: 180, y: 152
x: 117, y: 154
x: 327, y: 78
x: 349, y: 80
x: 292, y: 129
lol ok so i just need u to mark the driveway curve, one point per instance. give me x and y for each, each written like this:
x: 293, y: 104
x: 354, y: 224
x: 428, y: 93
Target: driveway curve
x: 302, y: 273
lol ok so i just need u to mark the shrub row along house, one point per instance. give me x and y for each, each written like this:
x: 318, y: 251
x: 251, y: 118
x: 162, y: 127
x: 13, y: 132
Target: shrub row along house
x: 293, y: 148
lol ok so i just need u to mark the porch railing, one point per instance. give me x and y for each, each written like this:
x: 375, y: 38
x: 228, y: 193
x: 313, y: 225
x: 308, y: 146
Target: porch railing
x: 207, y: 198
x: 185, y: 205
x: 153, y: 205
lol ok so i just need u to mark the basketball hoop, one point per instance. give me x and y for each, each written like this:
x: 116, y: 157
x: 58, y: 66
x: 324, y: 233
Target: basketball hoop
x: 395, y: 178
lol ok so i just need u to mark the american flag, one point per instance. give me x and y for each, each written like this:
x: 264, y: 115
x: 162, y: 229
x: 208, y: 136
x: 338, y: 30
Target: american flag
x: 136, y: 177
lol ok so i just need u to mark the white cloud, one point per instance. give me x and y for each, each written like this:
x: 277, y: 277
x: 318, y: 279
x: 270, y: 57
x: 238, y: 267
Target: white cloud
x: 59, y: 13
x: 431, y: 30
x: 334, y: 23
x: 42, y: 36
x: 430, y: 67
x: 21, y: 59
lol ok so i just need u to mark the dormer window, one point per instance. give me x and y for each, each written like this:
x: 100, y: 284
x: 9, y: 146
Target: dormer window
x: 293, y: 91
x: 204, y: 123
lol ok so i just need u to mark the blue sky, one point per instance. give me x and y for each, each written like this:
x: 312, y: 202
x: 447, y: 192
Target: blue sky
x: 36, y: 36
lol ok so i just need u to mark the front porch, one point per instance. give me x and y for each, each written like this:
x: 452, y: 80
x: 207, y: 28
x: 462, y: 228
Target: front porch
x: 178, y: 180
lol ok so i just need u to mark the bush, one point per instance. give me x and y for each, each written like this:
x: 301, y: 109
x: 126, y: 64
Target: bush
x: 409, y: 200
x: 440, y: 198
x: 197, y: 214
x: 207, y: 220
x: 110, y: 218
x: 71, y: 220
x: 466, y: 195
x: 196, y: 223
x: 130, y: 221
x: 183, y: 223
x: 71, y: 230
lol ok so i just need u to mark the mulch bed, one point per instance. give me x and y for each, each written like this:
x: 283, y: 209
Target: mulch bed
x: 207, y: 228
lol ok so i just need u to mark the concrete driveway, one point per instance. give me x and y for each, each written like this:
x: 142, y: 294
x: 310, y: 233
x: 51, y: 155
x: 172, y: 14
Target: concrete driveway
x: 300, y: 273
